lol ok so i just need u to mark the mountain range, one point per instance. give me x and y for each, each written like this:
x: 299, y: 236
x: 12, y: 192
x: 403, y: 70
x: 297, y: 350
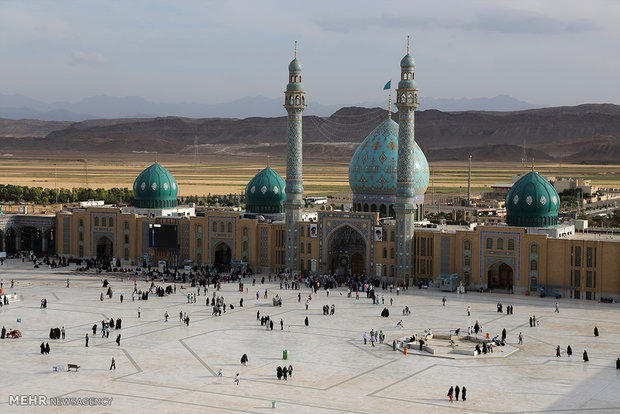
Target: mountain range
x: 98, y: 107
x: 583, y: 133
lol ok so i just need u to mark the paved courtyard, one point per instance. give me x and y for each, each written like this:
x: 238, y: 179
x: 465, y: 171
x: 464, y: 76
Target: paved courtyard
x: 170, y: 367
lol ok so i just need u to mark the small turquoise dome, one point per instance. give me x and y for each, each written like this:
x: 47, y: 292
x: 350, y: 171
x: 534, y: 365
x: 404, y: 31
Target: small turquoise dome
x: 294, y: 66
x: 532, y: 202
x: 265, y: 193
x: 406, y: 83
x: 407, y: 62
x: 294, y: 86
x: 155, y: 187
x: 373, y: 168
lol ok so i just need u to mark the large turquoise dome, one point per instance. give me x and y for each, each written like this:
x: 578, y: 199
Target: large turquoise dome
x: 372, y: 171
x: 532, y: 202
x: 155, y: 187
x: 265, y: 193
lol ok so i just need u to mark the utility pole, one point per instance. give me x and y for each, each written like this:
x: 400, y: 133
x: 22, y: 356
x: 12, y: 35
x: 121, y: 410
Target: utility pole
x: 55, y: 183
x: 469, y: 184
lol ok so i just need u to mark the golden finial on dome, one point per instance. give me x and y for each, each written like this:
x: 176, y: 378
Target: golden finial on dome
x: 407, y: 44
x: 390, y: 105
x: 295, y: 55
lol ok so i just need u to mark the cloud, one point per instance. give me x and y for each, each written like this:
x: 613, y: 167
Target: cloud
x: 79, y: 57
x: 522, y: 22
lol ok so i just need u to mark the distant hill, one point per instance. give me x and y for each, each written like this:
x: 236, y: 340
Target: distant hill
x: 586, y: 132
x: 96, y: 107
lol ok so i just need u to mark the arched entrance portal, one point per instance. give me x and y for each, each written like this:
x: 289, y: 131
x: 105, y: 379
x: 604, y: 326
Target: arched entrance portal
x: 223, y: 255
x: 346, y: 252
x: 10, y: 240
x: 31, y: 239
x: 500, y: 276
x: 104, y: 248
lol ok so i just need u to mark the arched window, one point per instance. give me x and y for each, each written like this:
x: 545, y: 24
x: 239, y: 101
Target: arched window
x: 365, y: 207
x: 222, y: 227
x: 467, y: 245
x: 230, y: 227
x: 385, y: 252
x: 214, y: 226
x: 297, y: 100
x: 392, y: 236
x: 489, y: 243
x: 533, y: 265
x: 373, y: 208
x: 126, y: 225
x: 301, y: 248
x: 382, y: 210
x: 309, y: 247
x: 302, y: 231
x: 500, y: 244
x: 511, y: 244
x: 97, y: 221
x: 111, y: 222
x: 534, y: 248
x: 245, y: 231
x: 392, y: 253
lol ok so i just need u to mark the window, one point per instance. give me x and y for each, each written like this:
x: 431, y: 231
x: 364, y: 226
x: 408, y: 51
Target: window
x: 126, y: 225
x: 467, y: 278
x: 588, y: 257
x: 489, y: 243
x: 96, y: 221
x: 302, y: 231
x: 534, y: 249
x: 500, y: 244
x: 245, y: 232
x: 126, y: 239
x: 214, y: 226
x: 199, y: 243
x: 467, y: 261
x: 81, y: 251
x: 511, y: 244
x: 392, y: 236
x: 392, y: 253
x: 533, y: 265
x: 385, y: 252
x: 222, y: 227
x: 81, y: 222
x: 199, y: 228
x: 229, y: 227
x: 111, y: 222
x: 301, y: 247
x: 578, y: 256
x: 81, y: 236
x: 467, y: 245
x: 309, y: 264
x: 126, y: 253
x: 245, y: 246
x: 103, y: 222
x: 309, y: 248
x: 577, y: 278
x: 588, y: 279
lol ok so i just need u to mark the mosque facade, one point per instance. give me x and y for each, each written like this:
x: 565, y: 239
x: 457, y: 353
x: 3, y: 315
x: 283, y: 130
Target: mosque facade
x: 382, y: 237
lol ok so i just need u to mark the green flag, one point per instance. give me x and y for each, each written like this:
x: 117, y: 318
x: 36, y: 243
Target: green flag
x: 388, y: 85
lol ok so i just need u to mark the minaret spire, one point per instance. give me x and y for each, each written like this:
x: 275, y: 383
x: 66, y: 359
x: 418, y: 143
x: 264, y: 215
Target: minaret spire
x: 390, y: 105
x: 294, y: 103
x: 407, y: 44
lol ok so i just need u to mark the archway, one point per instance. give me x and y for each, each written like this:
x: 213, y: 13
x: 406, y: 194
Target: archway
x: 223, y: 255
x: 10, y: 240
x: 31, y: 239
x: 500, y: 276
x: 105, y: 248
x: 346, y: 252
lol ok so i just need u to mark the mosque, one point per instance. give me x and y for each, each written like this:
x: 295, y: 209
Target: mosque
x: 384, y: 236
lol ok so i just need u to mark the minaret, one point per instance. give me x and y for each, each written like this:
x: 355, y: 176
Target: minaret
x: 406, y: 102
x: 294, y: 102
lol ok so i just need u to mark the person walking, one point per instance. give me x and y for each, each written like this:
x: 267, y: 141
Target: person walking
x: 595, y: 331
x: 307, y: 303
x: 468, y: 310
x: 290, y: 369
x: 557, y: 351
x: 281, y: 324
x: 113, y: 364
x: 618, y: 363
x: 220, y: 372
x: 166, y: 316
x: 121, y: 298
x: 118, y: 340
x: 237, y: 379
x: 306, y: 322
x: 86, y: 340
x: 372, y: 341
x: 457, y: 390
x: 62, y: 332
x: 520, y: 338
x: 365, y: 336
x: 557, y: 308
x: 444, y: 300
x: 531, y: 322
x: 139, y: 311
x: 585, y: 356
x: 504, y: 334
x: 451, y: 393
x: 569, y: 351
x: 464, y: 394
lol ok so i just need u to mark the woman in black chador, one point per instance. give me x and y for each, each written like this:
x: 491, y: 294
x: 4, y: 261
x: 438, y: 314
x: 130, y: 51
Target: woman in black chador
x: 595, y: 331
x: 585, y: 356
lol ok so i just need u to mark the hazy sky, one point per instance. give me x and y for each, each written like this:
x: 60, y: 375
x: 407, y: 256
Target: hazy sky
x: 557, y: 52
